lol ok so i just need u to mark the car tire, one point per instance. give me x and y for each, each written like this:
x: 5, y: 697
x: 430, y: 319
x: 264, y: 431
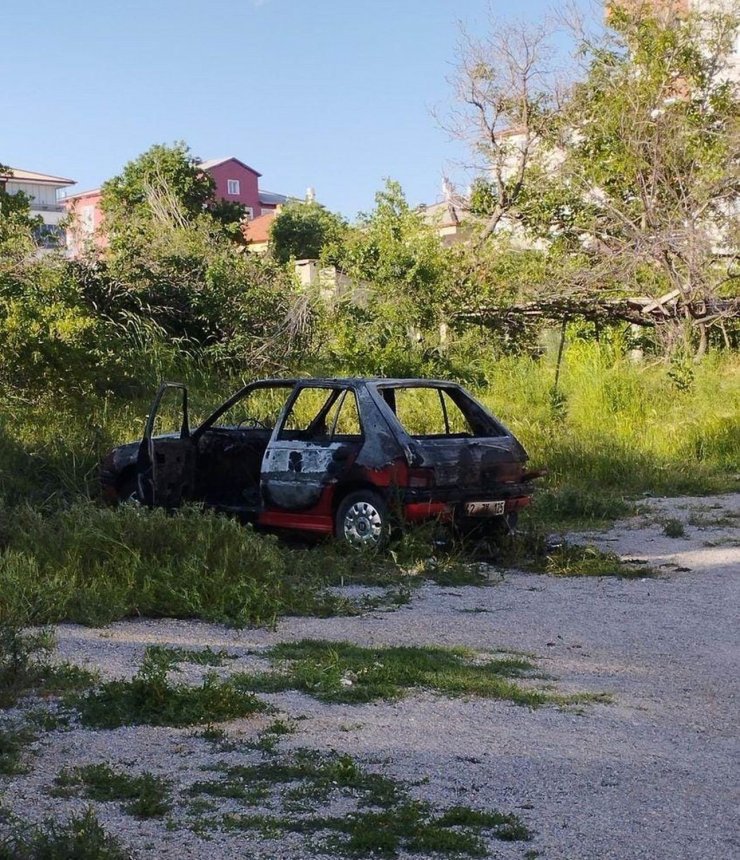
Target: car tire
x: 363, y: 520
x: 128, y: 493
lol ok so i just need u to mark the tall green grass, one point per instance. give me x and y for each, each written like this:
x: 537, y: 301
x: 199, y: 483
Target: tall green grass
x: 618, y: 427
x: 93, y: 565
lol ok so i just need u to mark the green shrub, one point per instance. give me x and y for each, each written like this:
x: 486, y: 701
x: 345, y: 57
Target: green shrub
x: 92, y: 565
x: 344, y: 672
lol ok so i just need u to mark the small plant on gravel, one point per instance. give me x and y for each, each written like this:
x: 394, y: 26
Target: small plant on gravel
x: 532, y: 550
x: 25, y: 666
x: 201, y: 657
x: 145, y: 796
x: 267, y: 740
x: 674, y: 529
x: 13, y: 741
x: 344, y: 672
x: 149, y: 698
x: 81, y: 837
x: 574, y: 506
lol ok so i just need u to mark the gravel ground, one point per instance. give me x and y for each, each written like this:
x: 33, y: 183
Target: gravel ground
x: 652, y: 775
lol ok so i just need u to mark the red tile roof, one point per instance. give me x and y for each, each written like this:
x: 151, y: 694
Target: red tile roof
x: 258, y: 230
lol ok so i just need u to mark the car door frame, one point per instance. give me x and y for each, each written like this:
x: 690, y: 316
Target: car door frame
x: 165, y: 465
x: 296, y: 472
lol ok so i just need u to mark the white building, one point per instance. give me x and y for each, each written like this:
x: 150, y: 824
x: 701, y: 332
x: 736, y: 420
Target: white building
x: 44, y: 193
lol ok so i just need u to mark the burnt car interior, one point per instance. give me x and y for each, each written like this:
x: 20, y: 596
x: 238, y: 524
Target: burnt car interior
x: 231, y: 445
x: 322, y: 415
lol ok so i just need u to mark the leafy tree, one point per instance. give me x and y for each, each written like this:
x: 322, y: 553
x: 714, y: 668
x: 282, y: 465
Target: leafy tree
x: 169, y: 170
x: 396, y: 260
x: 631, y: 181
x: 164, y: 183
x: 389, y: 322
x: 506, y: 99
x: 16, y: 222
x: 303, y: 230
x: 653, y: 156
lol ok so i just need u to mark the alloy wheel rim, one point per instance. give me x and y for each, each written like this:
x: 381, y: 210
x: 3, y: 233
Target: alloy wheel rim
x: 363, y: 525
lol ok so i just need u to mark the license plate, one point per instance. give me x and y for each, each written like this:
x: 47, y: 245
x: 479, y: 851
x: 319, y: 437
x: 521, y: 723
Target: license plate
x: 484, y: 509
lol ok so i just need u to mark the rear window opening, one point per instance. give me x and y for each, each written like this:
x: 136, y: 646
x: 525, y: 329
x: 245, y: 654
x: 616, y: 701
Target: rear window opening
x: 431, y: 413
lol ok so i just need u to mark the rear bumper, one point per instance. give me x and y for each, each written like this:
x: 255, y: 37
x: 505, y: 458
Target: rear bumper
x: 459, y: 495
x: 415, y: 510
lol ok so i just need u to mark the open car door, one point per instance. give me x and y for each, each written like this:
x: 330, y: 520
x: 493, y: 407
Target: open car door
x: 166, y: 463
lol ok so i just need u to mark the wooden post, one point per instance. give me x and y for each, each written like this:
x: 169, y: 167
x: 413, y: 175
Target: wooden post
x: 560, y: 354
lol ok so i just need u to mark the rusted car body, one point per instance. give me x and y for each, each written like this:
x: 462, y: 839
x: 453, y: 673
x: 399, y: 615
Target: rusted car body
x: 343, y: 457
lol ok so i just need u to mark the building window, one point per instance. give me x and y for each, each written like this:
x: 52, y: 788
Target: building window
x: 248, y: 213
x: 49, y: 236
x: 88, y: 219
x: 232, y: 186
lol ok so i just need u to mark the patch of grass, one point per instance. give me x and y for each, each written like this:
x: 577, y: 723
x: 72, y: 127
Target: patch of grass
x: 533, y: 551
x: 13, y: 742
x: 218, y: 738
x: 80, y: 837
x: 200, y: 657
x: 93, y: 565
x: 573, y: 506
x: 673, y: 528
x: 385, y: 820
x: 268, y: 739
x: 574, y: 560
x: 702, y: 519
x: 145, y: 796
x: 310, y: 775
x: 344, y: 672
x: 25, y: 666
x: 409, y: 827
x: 149, y: 698
x: 625, y: 429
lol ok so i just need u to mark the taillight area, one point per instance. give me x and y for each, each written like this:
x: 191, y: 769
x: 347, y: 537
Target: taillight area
x: 421, y: 478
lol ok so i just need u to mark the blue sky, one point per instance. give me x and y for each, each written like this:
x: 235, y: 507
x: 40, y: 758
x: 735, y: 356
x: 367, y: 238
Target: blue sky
x: 335, y: 94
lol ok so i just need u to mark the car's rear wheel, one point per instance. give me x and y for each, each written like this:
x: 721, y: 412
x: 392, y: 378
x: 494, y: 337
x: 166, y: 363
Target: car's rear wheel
x: 363, y: 520
x: 128, y: 492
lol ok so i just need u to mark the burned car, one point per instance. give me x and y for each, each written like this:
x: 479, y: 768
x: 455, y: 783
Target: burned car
x: 342, y: 457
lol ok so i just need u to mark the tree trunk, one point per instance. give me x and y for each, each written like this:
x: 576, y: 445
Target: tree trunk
x: 703, y: 342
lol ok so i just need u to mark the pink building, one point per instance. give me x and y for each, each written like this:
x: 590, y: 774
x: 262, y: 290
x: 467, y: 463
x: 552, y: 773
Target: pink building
x: 85, y: 216
x: 235, y: 181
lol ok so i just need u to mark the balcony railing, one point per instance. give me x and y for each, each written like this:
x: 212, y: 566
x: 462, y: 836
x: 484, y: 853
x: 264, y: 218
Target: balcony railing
x: 46, y: 207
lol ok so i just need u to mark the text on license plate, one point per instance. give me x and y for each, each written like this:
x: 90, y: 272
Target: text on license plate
x: 484, y: 509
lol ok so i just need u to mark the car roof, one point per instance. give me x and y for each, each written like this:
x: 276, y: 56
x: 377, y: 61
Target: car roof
x: 376, y: 381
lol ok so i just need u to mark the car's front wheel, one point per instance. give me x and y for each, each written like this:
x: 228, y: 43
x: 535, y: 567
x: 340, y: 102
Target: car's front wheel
x: 363, y: 520
x: 128, y: 492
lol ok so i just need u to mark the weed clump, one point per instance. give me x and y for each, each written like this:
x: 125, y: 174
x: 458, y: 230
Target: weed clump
x: 94, y: 565
x: 144, y: 796
x: 201, y: 657
x: 149, y: 698
x: 674, y: 529
x: 532, y: 550
x: 25, y: 666
x: 81, y: 837
x: 13, y: 741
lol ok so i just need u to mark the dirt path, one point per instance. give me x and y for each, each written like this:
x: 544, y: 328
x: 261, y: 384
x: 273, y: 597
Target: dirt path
x: 651, y: 775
